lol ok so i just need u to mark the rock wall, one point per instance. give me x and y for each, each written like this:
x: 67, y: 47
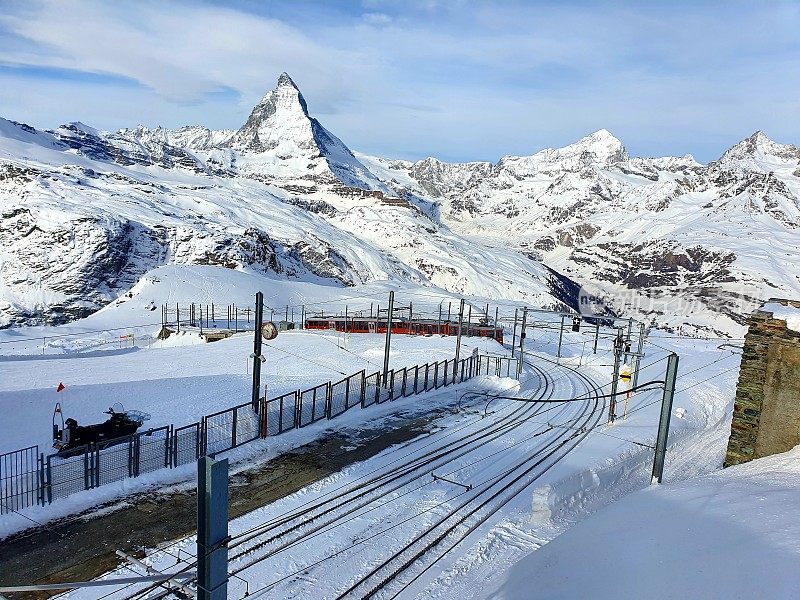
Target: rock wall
x: 766, y: 412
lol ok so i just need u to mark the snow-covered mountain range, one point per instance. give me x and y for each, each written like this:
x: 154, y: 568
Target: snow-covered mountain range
x: 84, y: 214
x: 686, y: 245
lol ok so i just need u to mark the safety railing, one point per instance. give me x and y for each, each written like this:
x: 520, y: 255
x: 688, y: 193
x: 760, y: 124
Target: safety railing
x: 28, y: 477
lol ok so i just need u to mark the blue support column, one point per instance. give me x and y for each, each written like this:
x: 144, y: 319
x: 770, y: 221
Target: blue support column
x: 212, y: 528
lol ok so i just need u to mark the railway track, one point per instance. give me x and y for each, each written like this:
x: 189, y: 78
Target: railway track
x: 477, y: 508
x: 404, y: 475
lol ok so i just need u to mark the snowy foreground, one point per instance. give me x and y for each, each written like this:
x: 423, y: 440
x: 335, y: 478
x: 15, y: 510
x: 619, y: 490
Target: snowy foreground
x: 582, y: 464
x: 730, y: 534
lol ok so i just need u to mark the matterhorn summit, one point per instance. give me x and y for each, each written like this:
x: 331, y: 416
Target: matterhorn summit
x: 279, y: 124
x: 281, y: 139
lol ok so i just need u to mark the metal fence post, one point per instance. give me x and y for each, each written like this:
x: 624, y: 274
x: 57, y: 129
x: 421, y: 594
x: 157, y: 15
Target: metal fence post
x: 233, y: 426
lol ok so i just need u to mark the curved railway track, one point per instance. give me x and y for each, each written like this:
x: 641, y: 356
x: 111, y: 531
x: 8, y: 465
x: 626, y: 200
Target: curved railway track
x: 410, y: 472
x: 476, y: 509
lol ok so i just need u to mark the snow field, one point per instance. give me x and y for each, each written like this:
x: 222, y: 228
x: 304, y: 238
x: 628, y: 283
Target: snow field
x: 729, y: 534
x: 602, y: 468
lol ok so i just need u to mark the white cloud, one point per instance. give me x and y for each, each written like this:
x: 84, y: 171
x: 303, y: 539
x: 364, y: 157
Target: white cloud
x: 470, y: 80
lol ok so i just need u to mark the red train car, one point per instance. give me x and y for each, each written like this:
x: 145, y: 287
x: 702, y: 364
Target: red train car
x: 404, y: 326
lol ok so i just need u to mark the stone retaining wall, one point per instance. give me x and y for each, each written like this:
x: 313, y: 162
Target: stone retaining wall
x: 766, y: 412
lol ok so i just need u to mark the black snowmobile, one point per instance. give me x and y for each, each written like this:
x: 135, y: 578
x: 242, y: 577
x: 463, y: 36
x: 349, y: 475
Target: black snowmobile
x: 71, y: 437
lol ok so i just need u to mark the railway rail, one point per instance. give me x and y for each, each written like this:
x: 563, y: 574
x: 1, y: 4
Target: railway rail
x: 412, y: 469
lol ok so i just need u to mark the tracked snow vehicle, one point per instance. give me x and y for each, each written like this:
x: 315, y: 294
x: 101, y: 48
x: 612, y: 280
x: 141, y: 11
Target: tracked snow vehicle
x: 71, y: 436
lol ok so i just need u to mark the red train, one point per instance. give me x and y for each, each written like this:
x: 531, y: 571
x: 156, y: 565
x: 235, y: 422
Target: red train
x: 404, y: 326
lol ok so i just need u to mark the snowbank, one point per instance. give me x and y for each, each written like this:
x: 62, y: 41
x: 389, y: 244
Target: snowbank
x: 730, y: 534
x: 790, y: 314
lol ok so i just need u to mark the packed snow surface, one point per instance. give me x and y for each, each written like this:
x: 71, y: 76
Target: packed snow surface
x: 729, y: 534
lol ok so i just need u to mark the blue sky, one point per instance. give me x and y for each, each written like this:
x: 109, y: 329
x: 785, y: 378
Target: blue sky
x: 458, y: 80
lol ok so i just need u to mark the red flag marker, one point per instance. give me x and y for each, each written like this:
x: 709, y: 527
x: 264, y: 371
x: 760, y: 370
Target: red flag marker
x: 60, y: 387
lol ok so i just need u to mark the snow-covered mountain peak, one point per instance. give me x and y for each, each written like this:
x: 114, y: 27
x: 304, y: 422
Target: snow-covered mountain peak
x: 279, y: 124
x: 285, y: 81
x: 599, y: 147
x: 759, y: 152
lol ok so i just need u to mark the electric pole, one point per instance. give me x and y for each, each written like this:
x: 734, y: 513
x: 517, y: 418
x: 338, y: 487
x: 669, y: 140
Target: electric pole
x: 212, y: 528
x: 388, y: 338
x: 458, y: 338
x: 663, y: 422
x: 612, y: 405
x: 522, y: 341
x: 514, y: 335
x: 257, y: 351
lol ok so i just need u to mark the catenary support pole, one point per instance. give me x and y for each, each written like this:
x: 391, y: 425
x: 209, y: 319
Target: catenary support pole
x: 257, y: 350
x: 514, y: 335
x: 596, y: 334
x: 458, y: 338
x: 612, y: 404
x: 560, y: 336
x: 638, y: 358
x: 521, y: 354
x: 389, y: 314
x: 469, y: 320
x: 663, y: 422
x: 212, y: 528
x: 439, y: 321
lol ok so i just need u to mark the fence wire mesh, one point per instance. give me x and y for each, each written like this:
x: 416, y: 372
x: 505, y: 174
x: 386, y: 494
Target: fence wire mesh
x: 19, y: 479
x: 338, y: 403
x: 67, y: 475
x: 185, y: 444
x: 372, y: 388
x: 312, y: 404
x: 281, y: 414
